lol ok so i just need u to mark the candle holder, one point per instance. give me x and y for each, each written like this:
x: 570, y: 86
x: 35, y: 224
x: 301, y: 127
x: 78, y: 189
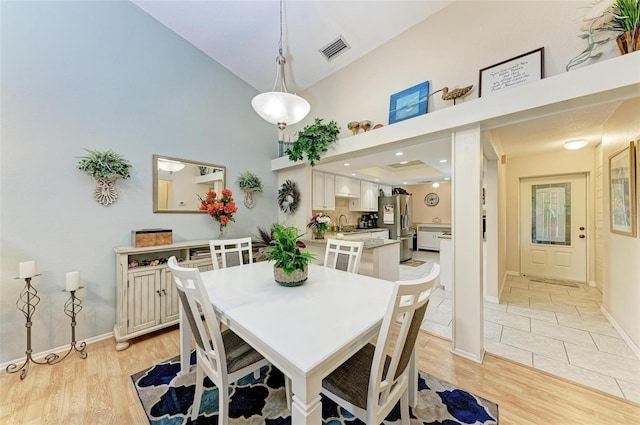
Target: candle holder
x: 72, y: 307
x: 26, y: 303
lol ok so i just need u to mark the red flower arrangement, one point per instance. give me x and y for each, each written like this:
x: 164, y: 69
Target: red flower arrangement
x: 220, y: 209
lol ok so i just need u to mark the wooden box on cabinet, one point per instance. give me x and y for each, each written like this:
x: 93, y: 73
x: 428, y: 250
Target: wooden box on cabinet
x: 146, y: 297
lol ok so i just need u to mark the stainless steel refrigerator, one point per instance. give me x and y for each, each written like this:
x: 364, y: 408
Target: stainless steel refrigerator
x: 394, y: 213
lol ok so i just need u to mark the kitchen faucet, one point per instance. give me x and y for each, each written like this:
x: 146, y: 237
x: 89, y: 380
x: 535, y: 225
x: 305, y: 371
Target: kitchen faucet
x: 346, y: 220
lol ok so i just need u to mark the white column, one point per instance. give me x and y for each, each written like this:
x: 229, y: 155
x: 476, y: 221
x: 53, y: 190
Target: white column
x: 492, y: 283
x: 467, y: 160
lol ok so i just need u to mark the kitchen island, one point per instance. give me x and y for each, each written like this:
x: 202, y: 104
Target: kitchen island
x: 380, y: 257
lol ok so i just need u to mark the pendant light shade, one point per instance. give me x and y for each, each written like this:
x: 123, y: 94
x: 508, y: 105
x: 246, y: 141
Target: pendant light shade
x: 278, y: 106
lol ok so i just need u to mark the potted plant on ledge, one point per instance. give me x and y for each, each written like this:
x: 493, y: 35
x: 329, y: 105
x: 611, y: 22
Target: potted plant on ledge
x: 290, y: 266
x: 314, y: 140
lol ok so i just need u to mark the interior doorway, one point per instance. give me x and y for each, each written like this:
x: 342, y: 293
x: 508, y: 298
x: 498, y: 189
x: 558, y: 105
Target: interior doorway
x: 553, y: 227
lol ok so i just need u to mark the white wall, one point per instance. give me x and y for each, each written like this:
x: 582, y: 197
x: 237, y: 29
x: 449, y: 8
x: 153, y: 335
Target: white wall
x: 102, y: 75
x: 621, y: 276
x: 449, y: 49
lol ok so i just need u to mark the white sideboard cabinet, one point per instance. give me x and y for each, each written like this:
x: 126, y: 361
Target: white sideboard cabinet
x: 147, y: 298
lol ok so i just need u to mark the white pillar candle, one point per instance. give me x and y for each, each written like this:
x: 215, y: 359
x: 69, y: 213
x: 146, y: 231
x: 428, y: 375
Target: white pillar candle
x: 27, y: 269
x: 73, y: 281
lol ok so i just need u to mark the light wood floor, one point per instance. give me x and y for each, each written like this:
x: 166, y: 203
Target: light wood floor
x: 98, y: 390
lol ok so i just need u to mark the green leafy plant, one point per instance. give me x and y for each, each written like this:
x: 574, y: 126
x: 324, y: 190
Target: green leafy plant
x: 250, y: 181
x: 625, y: 15
x: 285, y: 251
x: 104, y: 165
x: 313, y: 140
x: 606, y: 21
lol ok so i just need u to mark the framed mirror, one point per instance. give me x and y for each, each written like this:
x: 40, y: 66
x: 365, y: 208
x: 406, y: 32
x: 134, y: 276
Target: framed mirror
x: 178, y: 182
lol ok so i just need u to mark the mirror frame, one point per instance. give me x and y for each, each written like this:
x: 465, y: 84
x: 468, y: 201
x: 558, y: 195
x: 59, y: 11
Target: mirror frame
x: 188, y: 162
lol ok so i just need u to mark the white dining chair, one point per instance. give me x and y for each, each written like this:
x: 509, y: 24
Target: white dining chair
x: 222, y: 356
x: 343, y: 255
x: 231, y: 252
x: 372, y: 381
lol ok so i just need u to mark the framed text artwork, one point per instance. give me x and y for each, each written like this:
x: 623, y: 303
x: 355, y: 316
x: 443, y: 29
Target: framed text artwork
x: 512, y: 72
x: 409, y: 103
x: 622, y: 191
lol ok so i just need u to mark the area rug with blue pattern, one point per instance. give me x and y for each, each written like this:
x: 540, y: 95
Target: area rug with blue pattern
x: 167, y: 398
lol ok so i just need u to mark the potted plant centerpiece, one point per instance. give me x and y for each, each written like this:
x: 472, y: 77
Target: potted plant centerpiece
x: 290, y: 266
x: 105, y: 167
x: 249, y: 183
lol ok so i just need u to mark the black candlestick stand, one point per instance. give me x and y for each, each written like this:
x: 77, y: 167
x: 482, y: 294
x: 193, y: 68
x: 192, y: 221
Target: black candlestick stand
x: 71, y: 308
x: 27, y: 302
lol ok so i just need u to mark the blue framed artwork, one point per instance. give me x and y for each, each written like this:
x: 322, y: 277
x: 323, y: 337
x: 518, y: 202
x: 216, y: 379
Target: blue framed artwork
x: 409, y: 103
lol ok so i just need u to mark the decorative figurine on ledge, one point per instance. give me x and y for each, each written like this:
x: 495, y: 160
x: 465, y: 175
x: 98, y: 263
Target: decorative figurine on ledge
x: 453, y: 94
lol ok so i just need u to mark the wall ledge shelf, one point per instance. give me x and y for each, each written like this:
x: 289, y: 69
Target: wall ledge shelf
x: 613, y: 80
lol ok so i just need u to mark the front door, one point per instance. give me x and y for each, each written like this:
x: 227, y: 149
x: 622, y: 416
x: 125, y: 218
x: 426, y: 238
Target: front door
x: 553, y: 220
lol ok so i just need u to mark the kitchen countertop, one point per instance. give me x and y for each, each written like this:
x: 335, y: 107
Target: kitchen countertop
x: 433, y: 224
x: 369, y: 243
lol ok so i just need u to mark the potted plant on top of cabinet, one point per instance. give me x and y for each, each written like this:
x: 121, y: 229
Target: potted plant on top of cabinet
x: 314, y: 140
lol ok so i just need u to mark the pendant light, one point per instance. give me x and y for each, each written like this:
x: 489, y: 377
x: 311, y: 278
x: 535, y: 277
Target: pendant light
x: 278, y: 106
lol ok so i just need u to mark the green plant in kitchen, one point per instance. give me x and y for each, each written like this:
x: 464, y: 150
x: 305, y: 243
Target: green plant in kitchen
x: 105, y: 167
x: 290, y: 263
x: 314, y: 140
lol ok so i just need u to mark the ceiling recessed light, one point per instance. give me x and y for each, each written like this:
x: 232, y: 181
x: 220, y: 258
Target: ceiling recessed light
x: 447, y: 178
x: 346, y: 164
x: 405, y: 182
x: 443, y: 160
x: 399, y: 153
x: 436, y: 184
x: 404, y: 162
x: 377, y: 180
x: 353, y: 174
x: 575, y: 144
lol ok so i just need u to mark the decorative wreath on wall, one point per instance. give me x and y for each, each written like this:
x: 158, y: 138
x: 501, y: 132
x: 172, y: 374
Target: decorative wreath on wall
x: 288, y: 197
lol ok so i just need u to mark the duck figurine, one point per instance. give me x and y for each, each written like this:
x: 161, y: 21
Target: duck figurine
x: 453, y: 94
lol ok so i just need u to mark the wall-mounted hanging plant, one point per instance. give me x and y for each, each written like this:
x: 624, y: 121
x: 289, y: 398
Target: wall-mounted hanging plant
x: 105, y: 167
x: 249, y: 183
x: 314, y: 140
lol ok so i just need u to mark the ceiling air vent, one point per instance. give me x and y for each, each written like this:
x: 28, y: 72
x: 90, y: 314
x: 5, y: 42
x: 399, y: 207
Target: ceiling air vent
x: 335, y: 48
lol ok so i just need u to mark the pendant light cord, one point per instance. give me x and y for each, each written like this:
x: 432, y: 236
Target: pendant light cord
x: 280, y: 43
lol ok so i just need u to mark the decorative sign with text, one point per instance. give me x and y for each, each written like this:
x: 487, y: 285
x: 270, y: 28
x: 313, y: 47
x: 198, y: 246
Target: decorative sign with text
x: 513, y: 72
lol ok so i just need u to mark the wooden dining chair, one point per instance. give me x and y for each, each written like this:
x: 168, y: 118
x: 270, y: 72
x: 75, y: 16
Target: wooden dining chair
x: 343, y: 255
x: 372, y: 381
x: 222, y: 356
x: 231, y: 252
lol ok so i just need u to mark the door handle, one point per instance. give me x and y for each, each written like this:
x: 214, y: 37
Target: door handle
x: 582, y: 236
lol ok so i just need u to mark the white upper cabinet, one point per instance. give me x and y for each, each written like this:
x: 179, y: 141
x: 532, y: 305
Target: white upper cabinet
x: 347, y: 187
x: 368, y: 196
x: 385, y: 189
x: 323, y: 191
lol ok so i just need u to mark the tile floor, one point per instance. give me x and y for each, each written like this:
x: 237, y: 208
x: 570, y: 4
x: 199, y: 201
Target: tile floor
x: 554, y: 328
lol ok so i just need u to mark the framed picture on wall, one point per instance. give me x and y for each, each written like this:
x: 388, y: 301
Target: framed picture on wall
x: 622, y: 191
x: 409, y: 103
x: 512, y: 72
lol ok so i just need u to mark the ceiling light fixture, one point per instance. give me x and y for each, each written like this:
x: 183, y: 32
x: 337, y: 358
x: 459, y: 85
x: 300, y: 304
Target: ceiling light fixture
x: 399, y: 153
x: 278, y: 106
x: 443, y: 160
x: 575, y: 144
x: 436, y: 184
x: 447, y: 178
x: 346, y: 164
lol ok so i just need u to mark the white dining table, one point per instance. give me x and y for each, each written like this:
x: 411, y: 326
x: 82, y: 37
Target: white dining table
x: 305, y: 331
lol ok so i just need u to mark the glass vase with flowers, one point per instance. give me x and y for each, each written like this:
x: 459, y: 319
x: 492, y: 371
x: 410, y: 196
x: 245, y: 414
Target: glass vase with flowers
x: 220, y: 209
x: 319, y: 223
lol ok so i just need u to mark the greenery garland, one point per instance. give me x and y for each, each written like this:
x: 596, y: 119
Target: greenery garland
x: 313, y: 140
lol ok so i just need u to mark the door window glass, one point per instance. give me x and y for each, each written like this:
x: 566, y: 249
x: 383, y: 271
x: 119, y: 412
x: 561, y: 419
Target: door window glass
x: 551, y: 214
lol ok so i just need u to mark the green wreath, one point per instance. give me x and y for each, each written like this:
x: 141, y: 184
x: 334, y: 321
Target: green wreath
x: 288, y: 197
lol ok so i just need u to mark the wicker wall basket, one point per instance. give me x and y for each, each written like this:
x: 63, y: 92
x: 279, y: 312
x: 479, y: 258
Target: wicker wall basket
x: 629, y: 41
x: 296, y: 278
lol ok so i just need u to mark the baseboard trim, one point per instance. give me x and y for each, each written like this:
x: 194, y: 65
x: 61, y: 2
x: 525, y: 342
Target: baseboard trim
x: 512, y: 273
x: 57, y: 350
x: 494, y: 300
x: 625, y: 337
x: 593, y: 283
